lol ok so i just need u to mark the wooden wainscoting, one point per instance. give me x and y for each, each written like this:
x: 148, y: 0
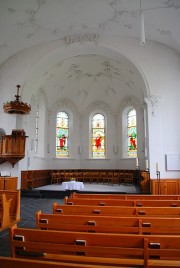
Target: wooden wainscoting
x: 165, y: 186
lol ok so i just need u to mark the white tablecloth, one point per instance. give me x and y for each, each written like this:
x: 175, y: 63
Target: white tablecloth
x: 72, y: 185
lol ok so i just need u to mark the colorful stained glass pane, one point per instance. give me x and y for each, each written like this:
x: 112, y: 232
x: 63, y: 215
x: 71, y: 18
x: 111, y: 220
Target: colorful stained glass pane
x: 98, y: 136
x: 132, y: 133
x: 62, y: 135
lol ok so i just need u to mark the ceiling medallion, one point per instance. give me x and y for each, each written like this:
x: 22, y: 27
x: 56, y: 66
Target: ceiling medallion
x: 16, y: 106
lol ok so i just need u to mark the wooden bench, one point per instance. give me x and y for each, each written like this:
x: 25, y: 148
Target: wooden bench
x: 106, y: 224
x: 9, y: 208
x: 4, y: 212
x: 8, y: 262
x: 89, y: 248
x: 34, y: 178
x: 116, y: 210
x: 126, y: 196
x: 119, y: 202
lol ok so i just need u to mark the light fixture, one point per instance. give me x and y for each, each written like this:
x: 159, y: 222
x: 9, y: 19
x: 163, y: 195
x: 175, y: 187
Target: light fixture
x: 142, y: 42
x: 16, y: 106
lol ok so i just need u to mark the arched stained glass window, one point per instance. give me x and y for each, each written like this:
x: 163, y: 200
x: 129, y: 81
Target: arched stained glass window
x: 62, y: 135
x: 98, y: 136
x: 132, y: 133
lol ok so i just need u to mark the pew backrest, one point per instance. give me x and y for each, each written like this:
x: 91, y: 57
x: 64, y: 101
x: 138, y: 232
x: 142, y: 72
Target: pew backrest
x: 142, y: 250
x: 119, y: 202
x: 126, y: 196
x: 106, y: 224
x: 116, y: 210
x: 8, y: 262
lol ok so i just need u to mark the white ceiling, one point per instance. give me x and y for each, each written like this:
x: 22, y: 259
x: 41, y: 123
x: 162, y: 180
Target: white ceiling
x: 27, y: 23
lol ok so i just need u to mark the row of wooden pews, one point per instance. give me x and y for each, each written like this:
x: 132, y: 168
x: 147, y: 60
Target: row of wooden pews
x: 108, y: 224
x: 9, y: 208
x: 75, y: 195
x: 121, y: 202
x: 116, y: 210
x: 87, y: 237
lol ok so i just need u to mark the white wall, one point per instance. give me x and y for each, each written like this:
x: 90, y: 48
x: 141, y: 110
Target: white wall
x: 159, y: 68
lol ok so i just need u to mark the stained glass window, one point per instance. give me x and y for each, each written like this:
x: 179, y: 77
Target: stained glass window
x: 98, y: 136
x: 132, y: 133
x: 62, y: 135
x: 37, y: 128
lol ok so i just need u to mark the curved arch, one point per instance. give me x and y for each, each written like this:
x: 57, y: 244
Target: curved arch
x: 98, y: 107
x: 55, y: 58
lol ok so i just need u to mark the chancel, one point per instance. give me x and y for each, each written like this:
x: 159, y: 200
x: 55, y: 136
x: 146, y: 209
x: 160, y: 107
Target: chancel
x: 94, y: 99
x: 89, y: 94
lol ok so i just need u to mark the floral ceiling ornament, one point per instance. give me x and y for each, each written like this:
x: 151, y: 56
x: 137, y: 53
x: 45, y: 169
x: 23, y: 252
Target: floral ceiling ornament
x: 172, y: 3
x: 153, y: 101
x: 81, y: 38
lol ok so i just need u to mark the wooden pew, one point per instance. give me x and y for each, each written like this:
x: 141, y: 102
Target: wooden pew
x: 8, y: 262
x: 9, y: 208
x: 173, y: 212
x: 4, y: 212
x: 89, y: 248
x: 14, y: 196
x: 106, y: 224
x: 126, y: 196
x: 119, y: 202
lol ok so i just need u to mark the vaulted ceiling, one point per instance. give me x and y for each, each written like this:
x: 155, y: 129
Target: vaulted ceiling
x: 28, y: 23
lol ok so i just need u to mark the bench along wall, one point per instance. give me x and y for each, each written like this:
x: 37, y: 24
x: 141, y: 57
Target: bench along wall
x: 36, y: 178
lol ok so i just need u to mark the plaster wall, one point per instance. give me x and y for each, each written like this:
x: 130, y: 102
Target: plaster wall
x: 158, y: 65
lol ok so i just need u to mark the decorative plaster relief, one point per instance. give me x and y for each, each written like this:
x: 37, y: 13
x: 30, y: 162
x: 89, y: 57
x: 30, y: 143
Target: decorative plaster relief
x: 172, y: 3
x: 81, y: 38
x: 152, y: 101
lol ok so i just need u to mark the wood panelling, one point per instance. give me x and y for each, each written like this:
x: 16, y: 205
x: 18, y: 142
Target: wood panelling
x: 8, y: 183
x: 165, y: 186
x: 36, y: 178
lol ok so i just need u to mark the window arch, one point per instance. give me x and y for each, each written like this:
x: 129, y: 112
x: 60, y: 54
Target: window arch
x: 62, y: 135
x: 98, y: 148
x: 132, y: 133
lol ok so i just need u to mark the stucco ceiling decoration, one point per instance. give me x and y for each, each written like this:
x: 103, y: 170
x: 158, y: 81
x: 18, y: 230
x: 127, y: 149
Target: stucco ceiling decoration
x: 153, y: 101
x: 81, y: 38
x: 106, y: 73
x: 24, y: 24
x: 102, y: 78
